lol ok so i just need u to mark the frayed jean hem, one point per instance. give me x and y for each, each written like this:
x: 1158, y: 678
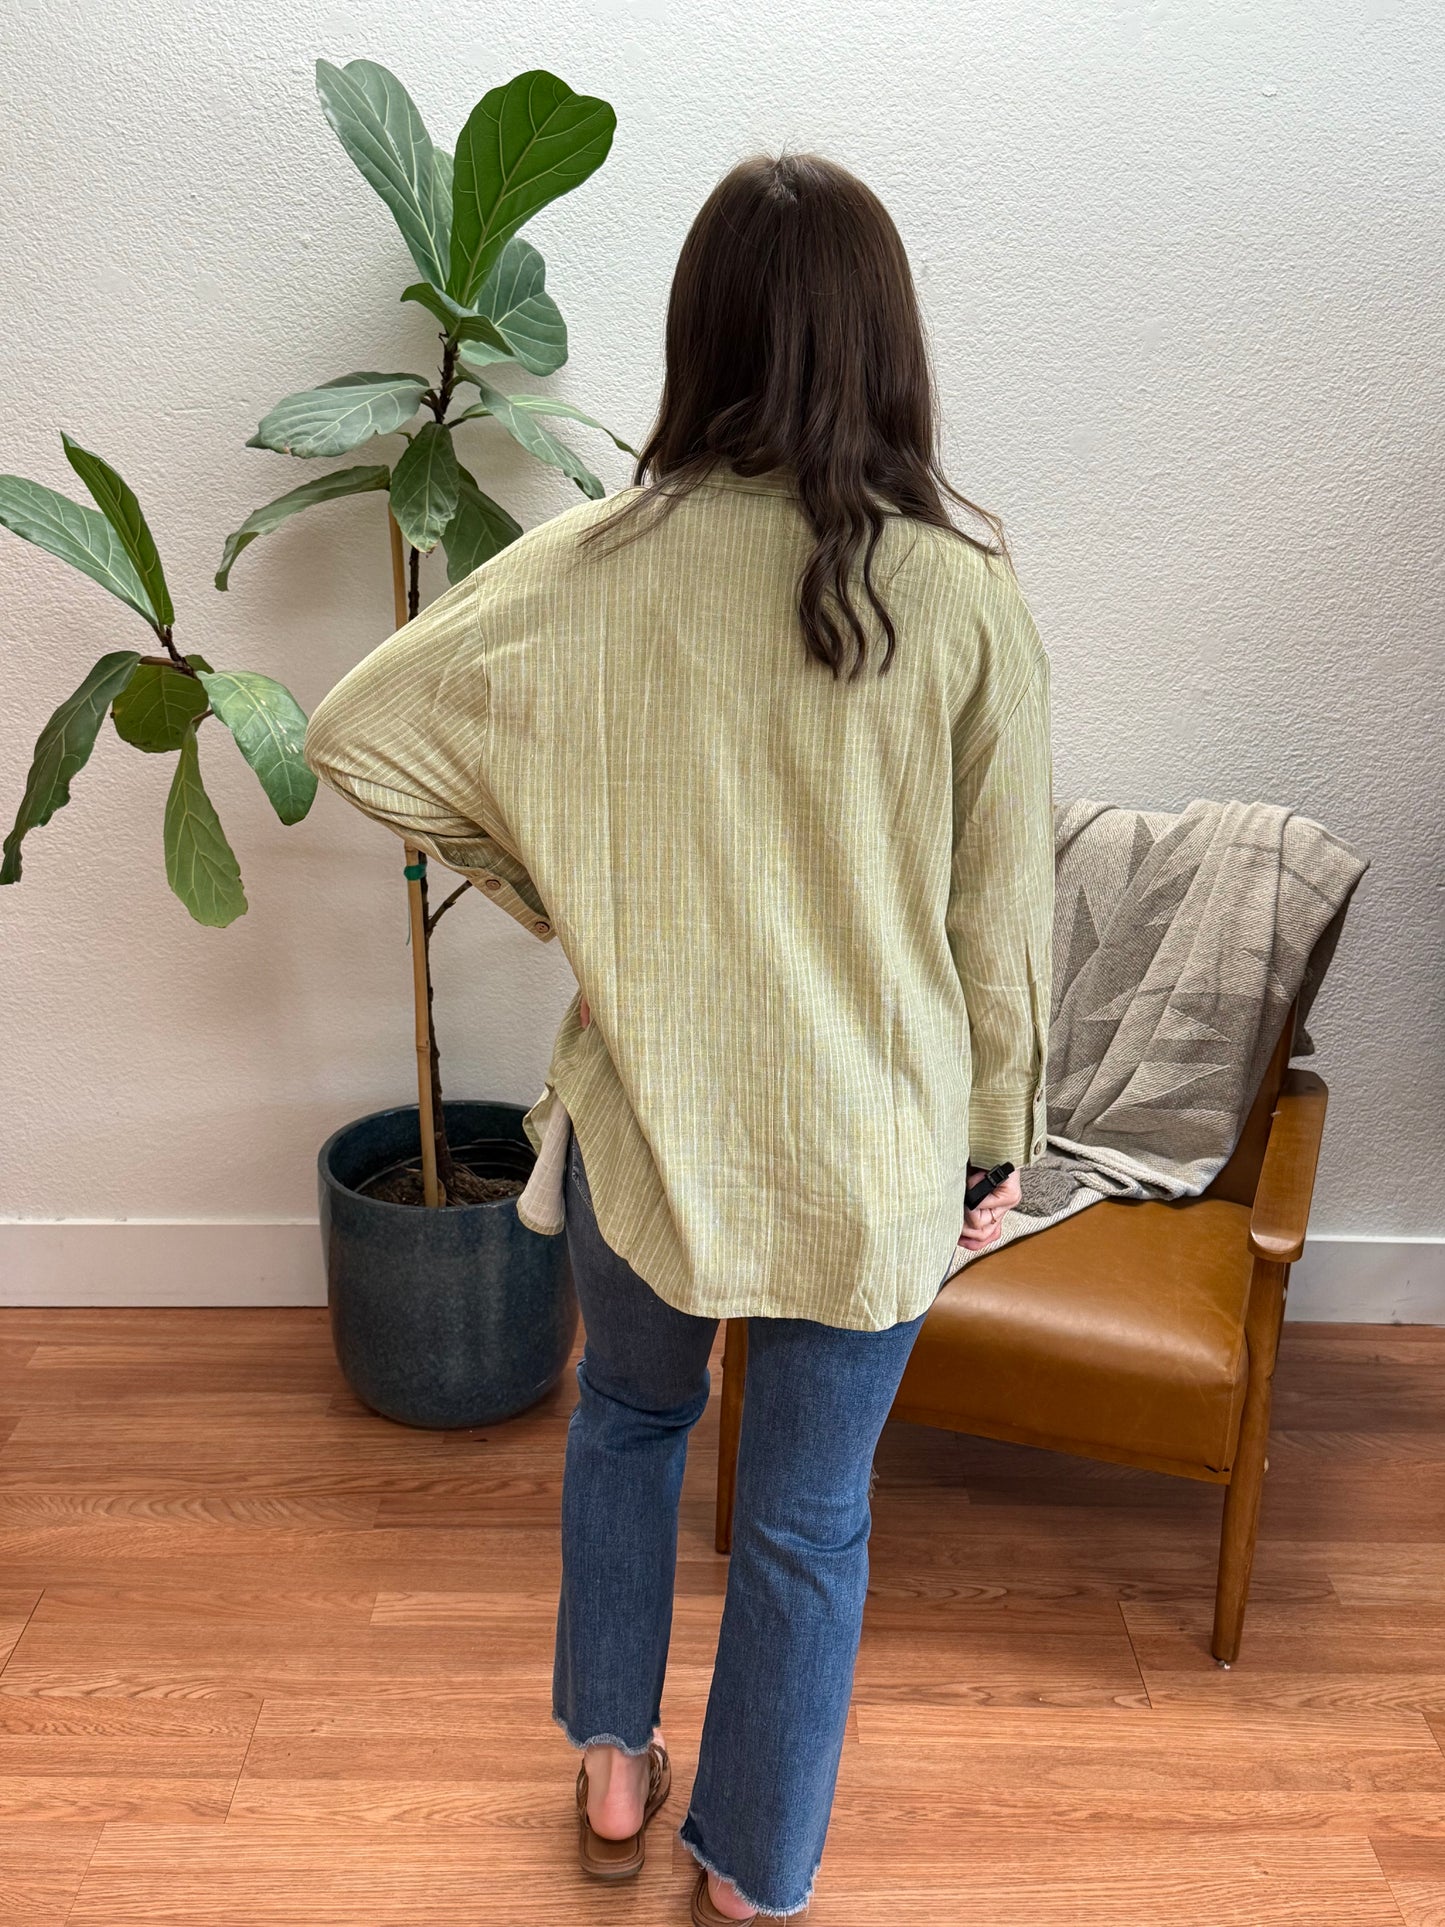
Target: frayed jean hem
x: 748, y: 1900
x: 598, y: 1739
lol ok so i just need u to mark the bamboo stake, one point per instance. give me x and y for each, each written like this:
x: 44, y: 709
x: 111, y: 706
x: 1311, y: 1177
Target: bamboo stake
x: 430, y: 1190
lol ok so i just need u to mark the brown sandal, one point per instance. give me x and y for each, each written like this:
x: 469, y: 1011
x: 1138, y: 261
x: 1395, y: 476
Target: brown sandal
x: 704, y: 1914
x: 620, y: 1859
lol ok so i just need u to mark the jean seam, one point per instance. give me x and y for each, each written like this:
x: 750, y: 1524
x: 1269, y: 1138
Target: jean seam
x: 599, y: 1739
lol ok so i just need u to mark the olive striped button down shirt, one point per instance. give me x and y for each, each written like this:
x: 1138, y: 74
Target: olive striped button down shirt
x: 812, y: 918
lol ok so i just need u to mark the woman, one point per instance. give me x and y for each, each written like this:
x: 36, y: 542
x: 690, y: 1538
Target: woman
x: 765, y: 742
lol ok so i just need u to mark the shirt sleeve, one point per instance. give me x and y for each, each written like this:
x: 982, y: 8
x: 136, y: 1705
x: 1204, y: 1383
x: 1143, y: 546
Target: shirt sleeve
x: 402, y: 737
x: 1000, y: 923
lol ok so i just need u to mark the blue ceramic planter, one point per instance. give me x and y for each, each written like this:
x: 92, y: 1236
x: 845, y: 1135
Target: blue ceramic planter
x: 441, y: 1318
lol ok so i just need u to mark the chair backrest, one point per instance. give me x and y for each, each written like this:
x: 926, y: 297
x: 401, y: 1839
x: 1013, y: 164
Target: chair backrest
x: 1238, y: 1181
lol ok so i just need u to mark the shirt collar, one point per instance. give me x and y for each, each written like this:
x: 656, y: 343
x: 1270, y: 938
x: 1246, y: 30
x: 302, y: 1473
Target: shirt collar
x: 773, y: 481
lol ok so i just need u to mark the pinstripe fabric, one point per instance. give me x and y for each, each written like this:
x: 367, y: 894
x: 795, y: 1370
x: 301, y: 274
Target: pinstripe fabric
x: 813, y: 919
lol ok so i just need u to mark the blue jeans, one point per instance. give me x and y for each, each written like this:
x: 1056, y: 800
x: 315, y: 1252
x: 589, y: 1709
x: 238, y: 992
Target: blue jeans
x: 817, y: 1397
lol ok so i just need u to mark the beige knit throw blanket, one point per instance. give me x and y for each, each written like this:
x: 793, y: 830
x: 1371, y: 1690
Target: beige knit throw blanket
x: 1179, y: 944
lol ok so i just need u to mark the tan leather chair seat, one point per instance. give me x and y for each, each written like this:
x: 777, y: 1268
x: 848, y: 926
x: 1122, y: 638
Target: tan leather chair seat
x: 1124, y: 1325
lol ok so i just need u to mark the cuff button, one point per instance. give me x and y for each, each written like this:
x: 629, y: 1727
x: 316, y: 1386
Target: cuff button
x: 541, y: 928
x: 491, y: 883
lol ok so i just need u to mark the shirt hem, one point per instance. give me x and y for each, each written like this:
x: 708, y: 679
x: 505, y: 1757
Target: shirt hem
x: 761, y: 1302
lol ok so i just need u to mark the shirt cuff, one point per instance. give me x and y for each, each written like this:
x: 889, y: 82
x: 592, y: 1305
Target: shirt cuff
x: 1007, y: 1127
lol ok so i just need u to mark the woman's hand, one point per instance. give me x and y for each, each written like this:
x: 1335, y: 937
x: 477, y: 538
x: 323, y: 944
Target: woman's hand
x: 982, y: 1225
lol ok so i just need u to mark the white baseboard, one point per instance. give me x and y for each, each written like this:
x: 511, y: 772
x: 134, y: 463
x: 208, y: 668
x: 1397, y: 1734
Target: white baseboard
x: 160, y: 1261
x: 79, y: 1261
x: 1370, y: 1281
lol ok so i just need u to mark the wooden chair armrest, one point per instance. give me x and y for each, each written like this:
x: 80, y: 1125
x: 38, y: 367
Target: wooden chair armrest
x: 1287, y: 1178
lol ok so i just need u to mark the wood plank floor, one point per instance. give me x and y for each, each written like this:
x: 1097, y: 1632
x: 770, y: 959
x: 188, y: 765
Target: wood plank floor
x: 270, y: 1661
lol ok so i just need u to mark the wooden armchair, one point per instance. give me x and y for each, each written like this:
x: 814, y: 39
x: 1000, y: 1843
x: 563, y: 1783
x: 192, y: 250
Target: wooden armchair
x: 1143, y: 1333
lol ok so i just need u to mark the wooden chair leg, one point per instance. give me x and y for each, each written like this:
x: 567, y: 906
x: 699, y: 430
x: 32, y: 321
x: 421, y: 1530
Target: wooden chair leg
x: 735, y: 1371
x: 1246, y: 1485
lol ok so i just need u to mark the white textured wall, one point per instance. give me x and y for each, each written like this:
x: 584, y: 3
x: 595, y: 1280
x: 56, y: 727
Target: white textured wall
x: 1183, y: 267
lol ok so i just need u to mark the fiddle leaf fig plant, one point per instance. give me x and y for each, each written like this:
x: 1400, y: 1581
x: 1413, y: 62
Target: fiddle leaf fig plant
x: 157, y: 702
x: 524, y: 144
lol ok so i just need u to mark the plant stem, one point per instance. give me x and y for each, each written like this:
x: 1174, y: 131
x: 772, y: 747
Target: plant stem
x: 446, y: 1169
x: 436, y: 916
x: 413, y: 584
x: 442, y: 400
x: 178, y: 661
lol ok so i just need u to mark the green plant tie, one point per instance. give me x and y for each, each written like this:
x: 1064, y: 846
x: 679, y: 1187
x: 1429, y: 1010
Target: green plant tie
x: 414, y: 872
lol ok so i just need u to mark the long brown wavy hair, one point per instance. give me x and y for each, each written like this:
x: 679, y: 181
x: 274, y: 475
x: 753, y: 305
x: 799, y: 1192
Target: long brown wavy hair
x: 794, y: 344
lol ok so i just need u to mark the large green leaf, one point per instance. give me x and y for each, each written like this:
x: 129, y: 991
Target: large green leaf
x: 326, y: 488
x: 62, y: 748
x: 537, y: 440
x: 117, y: 503
x: 518, y: 415
x: 159, y: 704
x: 480, y: 529
x: 523, y: 145
x: 377, y: 123
x: 514, y: 299
x: 201, y: 866
x: 340, y: 414
x: 463, y: 324
x: 424, y: 486
x: 550, y: 405
x: 444, y: 168
x: 78, y: 535
x: 269, y: 725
